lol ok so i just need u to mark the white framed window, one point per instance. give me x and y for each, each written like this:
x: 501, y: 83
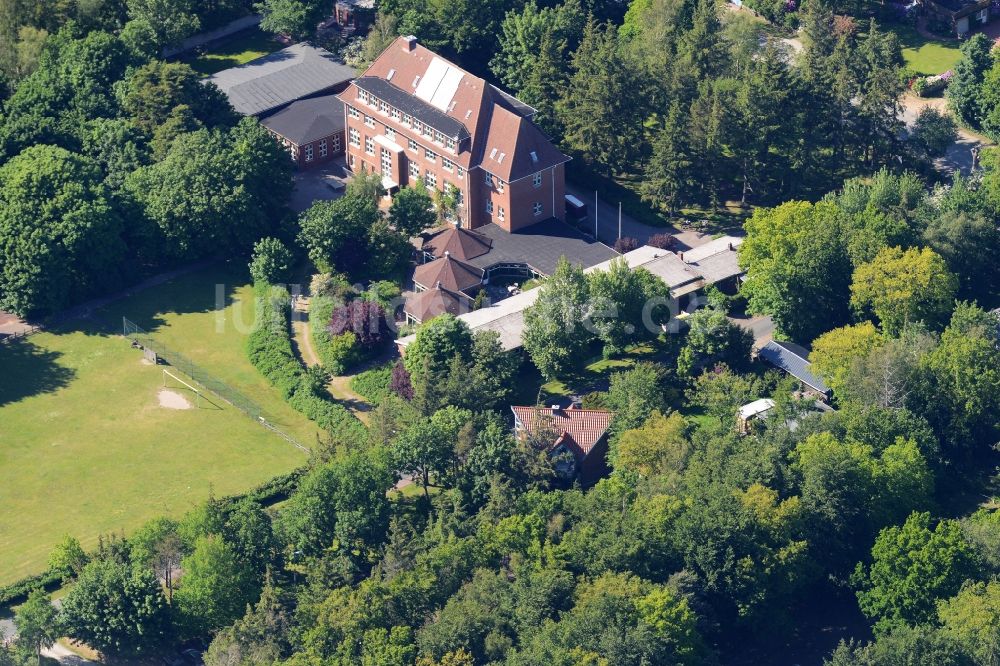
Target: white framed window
x: 335, y: 143
x: 369, y: 145
x: 308, y: 152
x: 407, y: 119
x: 390, y: 133
x: 386, y: 163
x: 369, y: 121
x: 488, y: 179
x: 447, y: 164
x: 499, y: 186
x: 430, y: 179
x: 354, y: 136
x: 536, y: 179
x: 418, y: 126
x: 537, y: 208
x: 439, y: 137
x: 352, y: 112
x: 428, y: 131
x: 489, y: 208
x: 394, y: 114
x: 383, y: 106
x: 450, y: 143
x: 363, y: 95
x: 430, y: 155
x: 500, y: 212
x: 411, y: 144
x: 323, y: 148
x: 461, y: 173
x: 414, y: 171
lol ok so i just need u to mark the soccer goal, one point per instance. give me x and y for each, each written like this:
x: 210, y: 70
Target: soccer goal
x: 197, y: 391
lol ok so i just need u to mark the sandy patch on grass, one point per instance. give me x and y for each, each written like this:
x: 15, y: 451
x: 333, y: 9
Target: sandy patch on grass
x: 173, y: 400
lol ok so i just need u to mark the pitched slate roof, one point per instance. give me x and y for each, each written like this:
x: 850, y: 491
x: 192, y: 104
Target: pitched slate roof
x: 540, y: 246
x: 579, y: 429
x: 458, y: 242
x: 308, y: 119
x: 792, y: 359
x: 426, y: 305
x: 280, y: 78
x: 412, y: 105
x: 449, y: 272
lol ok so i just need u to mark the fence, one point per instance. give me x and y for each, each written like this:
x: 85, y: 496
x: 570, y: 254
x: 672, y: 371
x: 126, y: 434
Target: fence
x: 17, y: 335
x: 224, y: 391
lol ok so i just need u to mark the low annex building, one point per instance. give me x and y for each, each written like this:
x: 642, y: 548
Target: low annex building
x: 293, y: 94
x: 414, y: 117
x: 579, y: 438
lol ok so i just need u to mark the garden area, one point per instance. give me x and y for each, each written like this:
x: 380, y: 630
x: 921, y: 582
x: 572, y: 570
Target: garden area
x: 82, y: 410
x: 925, y: 55
x: 237, y: 50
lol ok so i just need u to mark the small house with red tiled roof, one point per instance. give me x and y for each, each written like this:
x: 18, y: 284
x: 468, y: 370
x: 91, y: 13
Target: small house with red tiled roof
x: 579, y: 438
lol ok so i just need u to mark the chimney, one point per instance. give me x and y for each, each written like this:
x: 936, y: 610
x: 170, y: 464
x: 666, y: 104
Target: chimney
x: 730, y: 247
x: 447, y: 253
x: 409, y: 43
x: 681, y: 255
x: 438, y: 285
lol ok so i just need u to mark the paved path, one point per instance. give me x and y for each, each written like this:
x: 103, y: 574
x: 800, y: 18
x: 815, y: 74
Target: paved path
x: 339, y: 387
x: 958, y: 157
x: 607, y: 223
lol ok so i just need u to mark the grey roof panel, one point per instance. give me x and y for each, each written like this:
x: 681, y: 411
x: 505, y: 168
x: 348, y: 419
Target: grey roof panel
x: 413, y: 105
x: 540, y: 246
x: 280, y: 78
x: 792, y: 359
x: 308, y: 119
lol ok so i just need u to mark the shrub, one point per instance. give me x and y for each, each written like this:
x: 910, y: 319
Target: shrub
x: 664, y: 241
x: 384, y: 293
x: 269, y: 348
x: 373, y: 385
x: 363, y: 318
x: 626, y: 244
x: 336, y: 353
x: 400, y: 383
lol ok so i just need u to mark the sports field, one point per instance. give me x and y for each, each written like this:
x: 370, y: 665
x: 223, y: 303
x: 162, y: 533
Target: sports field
x: 86, y: 443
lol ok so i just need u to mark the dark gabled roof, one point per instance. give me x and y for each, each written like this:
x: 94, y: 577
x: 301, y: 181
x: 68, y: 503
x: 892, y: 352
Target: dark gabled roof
x: 426, y: 305
x: 281, y: 77
x: 540, y: 246
x: 412, y: 105
x: 449, y: 272
x: 793, y: 359
x: 308, y: 119
x: 460, y: 243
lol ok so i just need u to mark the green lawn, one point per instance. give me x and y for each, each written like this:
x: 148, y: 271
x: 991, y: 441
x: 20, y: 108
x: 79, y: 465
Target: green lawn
x: 927, y: 56
x: 85, y: 447
x: 594, y: 375
x: 246, y: 46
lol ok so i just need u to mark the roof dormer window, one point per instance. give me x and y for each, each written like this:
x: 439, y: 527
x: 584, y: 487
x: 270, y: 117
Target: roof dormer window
x: 388, y: 77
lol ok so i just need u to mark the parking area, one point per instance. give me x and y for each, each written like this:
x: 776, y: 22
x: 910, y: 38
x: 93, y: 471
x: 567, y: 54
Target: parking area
x: 323, y: 183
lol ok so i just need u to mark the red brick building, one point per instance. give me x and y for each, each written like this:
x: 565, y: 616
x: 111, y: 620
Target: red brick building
x: 417, y: 118
x: 311, y: 130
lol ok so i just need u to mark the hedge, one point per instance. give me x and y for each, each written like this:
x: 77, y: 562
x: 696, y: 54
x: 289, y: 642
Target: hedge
x: 269, y: 348
x: 373, y: 385
x: 336, y: 353
x: 270, y: 492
